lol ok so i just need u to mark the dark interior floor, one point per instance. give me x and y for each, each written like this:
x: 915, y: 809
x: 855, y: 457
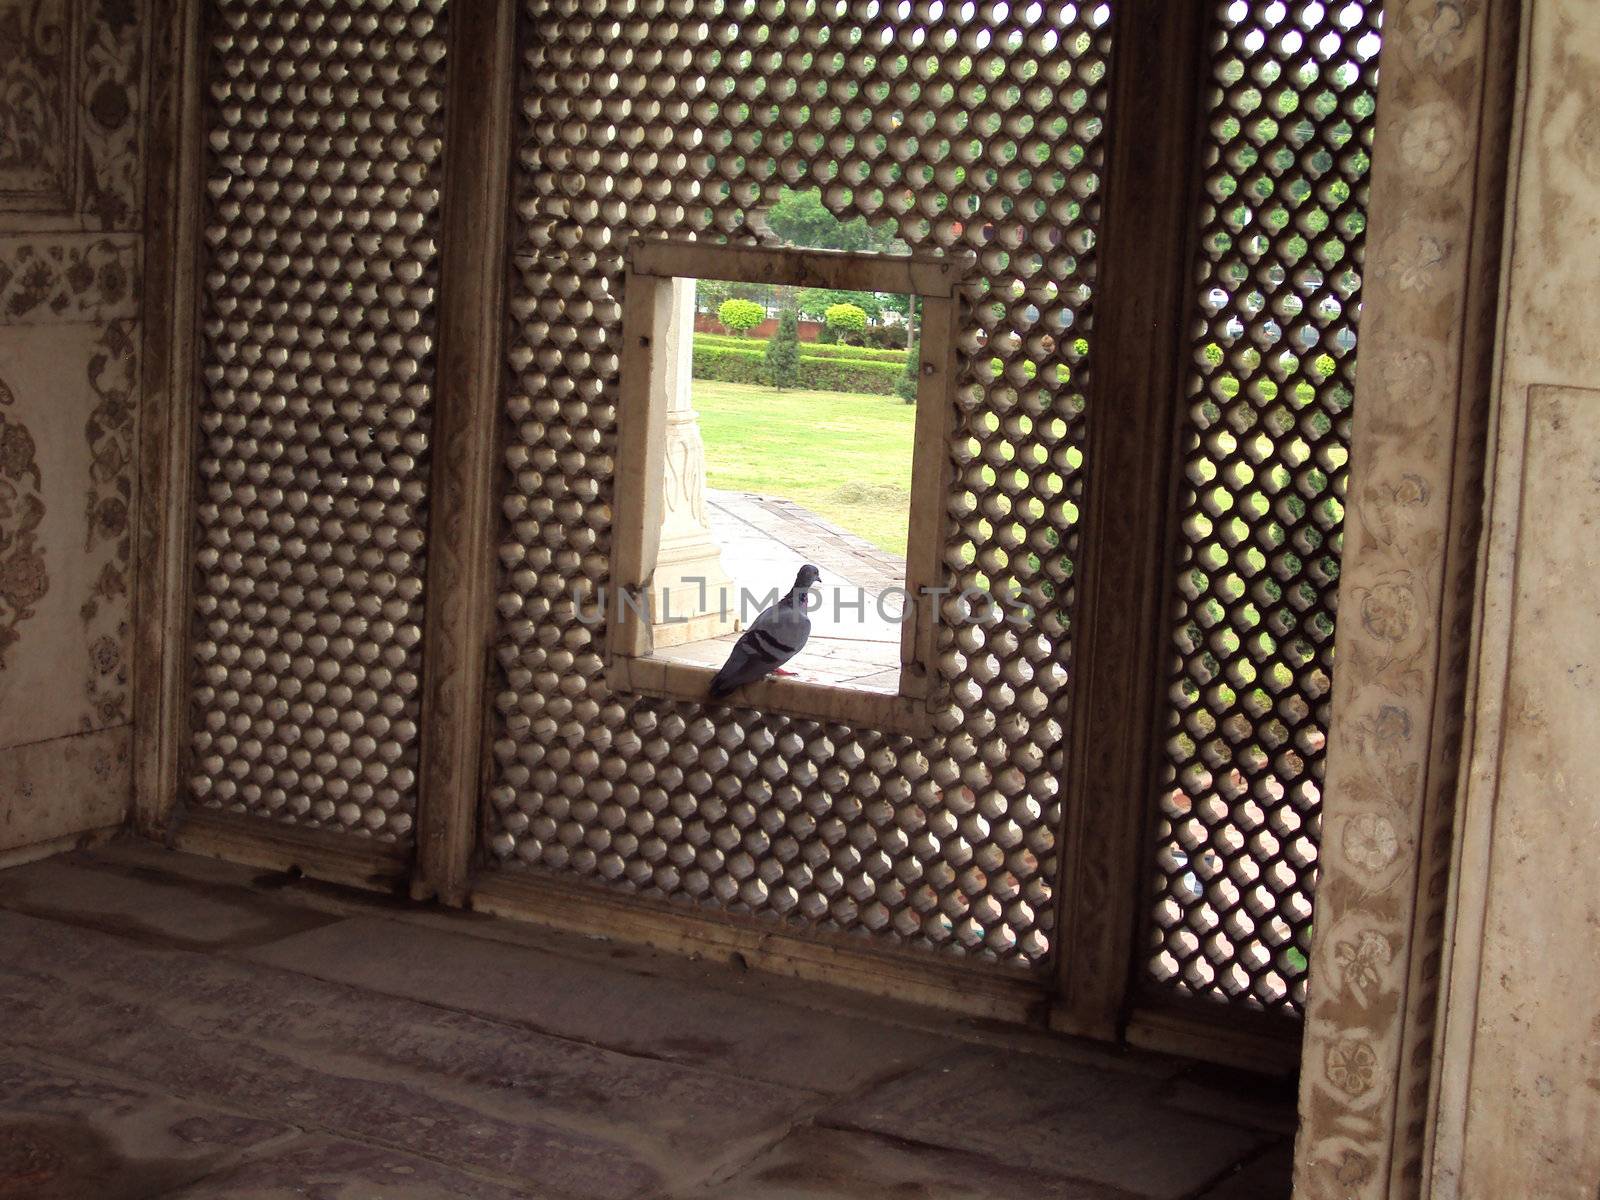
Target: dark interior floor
x: 171, y: 1026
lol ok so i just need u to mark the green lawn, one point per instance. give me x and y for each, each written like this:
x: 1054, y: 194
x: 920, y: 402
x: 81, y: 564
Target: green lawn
x: 845, y: 457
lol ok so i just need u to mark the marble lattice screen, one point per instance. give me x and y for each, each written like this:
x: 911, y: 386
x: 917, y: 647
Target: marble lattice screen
x: 689, y: 119
x: 410, y: 224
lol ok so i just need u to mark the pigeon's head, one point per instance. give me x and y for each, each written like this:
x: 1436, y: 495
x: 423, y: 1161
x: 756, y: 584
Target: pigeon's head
x: 807, y: 578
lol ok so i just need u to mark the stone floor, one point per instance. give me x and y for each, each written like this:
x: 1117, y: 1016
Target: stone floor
x: 174, y: 1027
x: 854, y: 640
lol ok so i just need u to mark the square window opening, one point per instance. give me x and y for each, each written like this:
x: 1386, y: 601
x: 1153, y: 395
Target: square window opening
x: 782, y: 407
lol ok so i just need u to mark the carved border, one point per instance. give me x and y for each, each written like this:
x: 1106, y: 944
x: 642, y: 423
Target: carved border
x: 108, y: 525
x: 68, y: 277
x: 1406, y: 593
x: 473, y: 214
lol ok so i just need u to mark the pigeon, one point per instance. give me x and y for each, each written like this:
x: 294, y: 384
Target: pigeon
x: 773, y: 638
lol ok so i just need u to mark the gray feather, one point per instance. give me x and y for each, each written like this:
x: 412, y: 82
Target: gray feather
x: 773, y: 638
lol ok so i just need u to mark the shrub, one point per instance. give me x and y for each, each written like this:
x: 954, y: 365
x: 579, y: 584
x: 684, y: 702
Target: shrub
x: 727, y: 365
x: 1030, y: 370
x: 906, y: 386
x: 740, y: 315
x: 807, y: 349
x: 728, y: 341
x: 854, y: 353
x: 843, y: 375
x: 845, y: 319
x: 886, y: 337
x: 783, y: 350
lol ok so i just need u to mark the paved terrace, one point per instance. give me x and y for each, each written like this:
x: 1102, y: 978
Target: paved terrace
x: 764, y: 541
x: 175, y: 1027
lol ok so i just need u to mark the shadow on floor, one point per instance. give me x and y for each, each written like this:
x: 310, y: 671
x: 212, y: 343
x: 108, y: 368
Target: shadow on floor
x: 176, y: 1027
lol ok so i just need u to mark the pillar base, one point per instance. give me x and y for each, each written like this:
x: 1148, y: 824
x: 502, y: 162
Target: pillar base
x: 692, y: 598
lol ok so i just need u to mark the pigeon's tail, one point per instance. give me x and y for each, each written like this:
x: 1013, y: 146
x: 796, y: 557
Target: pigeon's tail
x: 741, y: 668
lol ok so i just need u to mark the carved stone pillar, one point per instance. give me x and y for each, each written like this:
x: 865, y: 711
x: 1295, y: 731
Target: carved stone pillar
x: 692, y: 596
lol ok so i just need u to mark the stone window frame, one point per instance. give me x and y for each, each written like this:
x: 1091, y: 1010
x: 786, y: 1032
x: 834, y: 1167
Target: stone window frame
x: 654, y: 307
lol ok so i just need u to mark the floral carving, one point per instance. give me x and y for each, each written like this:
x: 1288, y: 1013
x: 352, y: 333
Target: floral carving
x: 1425, y: 259
x: 112, y: 65
x: 1391, y: 725
x: 109, y: 432
x: 1370, y: 842
x: 1431, y: 140
x: 67, y: 278
x: 69, y: 106
x: 1436, y: 34
x: 1388, y: 610
x: 1369, y: 1025
x: 1354, y: 1169
x: 1384, y: 511
x: 1411, y: 490
x: 23, y: 578
x: 1359, y: 962
x: 1350, y: 1066
x: 105, y: 655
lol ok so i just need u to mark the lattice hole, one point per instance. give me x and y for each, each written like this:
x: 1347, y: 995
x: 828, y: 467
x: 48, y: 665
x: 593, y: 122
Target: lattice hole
x: 978, y: 129
x: 324, y: 124
x: 1277, y: 296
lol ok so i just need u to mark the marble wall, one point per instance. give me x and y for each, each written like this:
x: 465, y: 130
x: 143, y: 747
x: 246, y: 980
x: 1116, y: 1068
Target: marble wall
x: 72, y: 82
x: 1453, y: 1044
x: 1518, y: 1096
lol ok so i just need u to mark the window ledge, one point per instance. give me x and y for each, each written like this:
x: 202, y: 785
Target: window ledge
x: 910, y: 716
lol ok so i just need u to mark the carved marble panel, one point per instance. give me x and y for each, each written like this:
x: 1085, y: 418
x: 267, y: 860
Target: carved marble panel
x: 62, y: 787
x: 36, y: 109
x: 71, y: 210
x: 1534, y: 1098
x: 70, y: 113
x: 67, y: 422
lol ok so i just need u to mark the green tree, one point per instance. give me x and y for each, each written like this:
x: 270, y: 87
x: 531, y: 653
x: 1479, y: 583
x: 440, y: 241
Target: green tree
x: 709, y: 294
x: 846, y: 319
x: 741, y: 316
x: 802, y: 219
x: 783, y: 348
x: 815, y: 302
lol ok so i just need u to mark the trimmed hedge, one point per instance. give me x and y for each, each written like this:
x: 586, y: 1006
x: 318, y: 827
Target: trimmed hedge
x: 728, y: 364
x: 829, y: 368
x: 807, y: 349
x: 859, y: 353
x: 844, y: 375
